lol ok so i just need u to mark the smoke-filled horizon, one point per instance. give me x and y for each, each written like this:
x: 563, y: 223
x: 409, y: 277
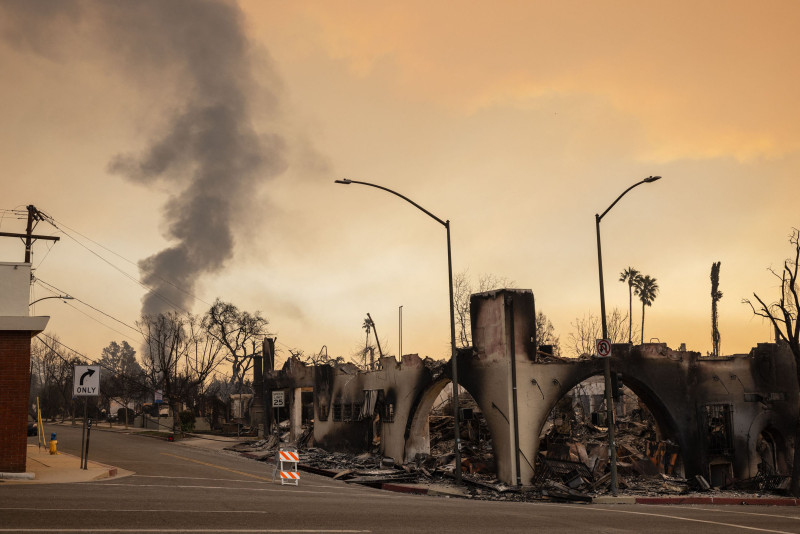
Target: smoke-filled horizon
x: 201, y: 139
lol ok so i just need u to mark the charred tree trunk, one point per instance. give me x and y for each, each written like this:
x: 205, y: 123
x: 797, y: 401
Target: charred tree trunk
x: 795, y: 484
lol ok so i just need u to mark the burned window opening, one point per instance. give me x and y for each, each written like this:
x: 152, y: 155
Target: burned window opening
x: 337, y: 412
x: 347, y: 412
x: 323, y: 412
x: 388, y: 416
x: 719, y: 429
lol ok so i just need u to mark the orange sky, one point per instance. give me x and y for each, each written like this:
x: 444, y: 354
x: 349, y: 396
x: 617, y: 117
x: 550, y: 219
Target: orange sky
x: 516, y: 121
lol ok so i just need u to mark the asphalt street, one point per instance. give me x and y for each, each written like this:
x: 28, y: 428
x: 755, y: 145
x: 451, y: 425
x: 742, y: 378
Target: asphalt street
x: 180, y: 488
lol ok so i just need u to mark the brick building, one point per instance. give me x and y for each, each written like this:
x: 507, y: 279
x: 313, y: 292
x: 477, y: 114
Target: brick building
x: 16, y: 330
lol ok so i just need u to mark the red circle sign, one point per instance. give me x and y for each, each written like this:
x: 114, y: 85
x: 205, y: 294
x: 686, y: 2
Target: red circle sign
x: 604, y: 347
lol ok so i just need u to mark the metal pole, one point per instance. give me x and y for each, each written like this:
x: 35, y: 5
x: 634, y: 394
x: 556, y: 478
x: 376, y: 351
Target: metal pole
x: 454, y: 361
x: 612, y: 448
x: 88, y: 434
x: 400, y: 333
x: 83, y: 429
x: 446, y: 224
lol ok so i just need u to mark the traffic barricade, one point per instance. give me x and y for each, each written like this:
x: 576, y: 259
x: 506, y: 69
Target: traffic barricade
x: 286, y: 464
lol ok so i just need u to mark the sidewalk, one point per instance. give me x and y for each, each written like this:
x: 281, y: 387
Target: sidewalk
x: 45, y: 468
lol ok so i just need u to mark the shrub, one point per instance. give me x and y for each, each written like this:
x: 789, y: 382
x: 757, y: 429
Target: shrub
x: 187, y: 421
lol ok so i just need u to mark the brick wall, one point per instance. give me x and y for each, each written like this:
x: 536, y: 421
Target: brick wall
x: 15, y: 362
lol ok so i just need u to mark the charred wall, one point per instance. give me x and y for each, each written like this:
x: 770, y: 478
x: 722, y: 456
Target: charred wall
x: 725, y: 414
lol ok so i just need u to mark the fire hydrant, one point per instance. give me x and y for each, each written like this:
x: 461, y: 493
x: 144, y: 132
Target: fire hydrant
x: 53, y: 444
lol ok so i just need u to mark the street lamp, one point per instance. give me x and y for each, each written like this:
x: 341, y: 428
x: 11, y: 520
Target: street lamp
x: 607, y: 364
x: 63, y: 297
x: 453, y: 358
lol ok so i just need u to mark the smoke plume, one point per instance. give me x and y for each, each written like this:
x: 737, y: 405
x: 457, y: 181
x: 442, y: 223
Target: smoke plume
x: 209, y: 149
x: 193, y: 58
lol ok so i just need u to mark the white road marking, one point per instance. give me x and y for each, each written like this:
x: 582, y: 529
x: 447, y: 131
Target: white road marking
x: 727, y: 511
x: 306, y: 484
x: 678, y: 518
x: 276, y: 489
x: 299, y: 531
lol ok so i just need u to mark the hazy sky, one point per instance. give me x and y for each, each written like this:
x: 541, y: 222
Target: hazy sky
x: 206, y: 136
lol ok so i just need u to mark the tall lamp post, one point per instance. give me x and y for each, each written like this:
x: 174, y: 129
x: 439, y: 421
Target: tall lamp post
x: 612, y: 448
x: 454, y: 364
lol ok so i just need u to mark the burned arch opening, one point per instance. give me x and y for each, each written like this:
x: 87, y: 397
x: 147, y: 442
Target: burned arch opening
x: 574, y: 437
x: 430, y: 435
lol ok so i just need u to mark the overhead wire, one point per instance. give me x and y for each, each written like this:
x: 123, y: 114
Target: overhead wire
x: 52, y: 288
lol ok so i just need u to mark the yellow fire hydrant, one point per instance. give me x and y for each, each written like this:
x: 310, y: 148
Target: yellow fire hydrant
x: 53, y: 444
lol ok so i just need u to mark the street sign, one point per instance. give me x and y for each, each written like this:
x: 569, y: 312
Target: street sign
x: 278, y: 399
x: 86, y: 381
x: 158, y: 396
x: 604, y: 348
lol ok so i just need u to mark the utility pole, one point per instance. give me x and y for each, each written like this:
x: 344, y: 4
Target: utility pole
x: 29, y: 237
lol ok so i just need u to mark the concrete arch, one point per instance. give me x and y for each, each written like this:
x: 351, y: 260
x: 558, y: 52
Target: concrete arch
x: 764, y: 426
x: 665, y: 422
x: 418, y: 438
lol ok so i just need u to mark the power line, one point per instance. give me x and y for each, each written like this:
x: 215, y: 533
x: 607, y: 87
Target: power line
x: 125, y: 274
x: 51, y: 288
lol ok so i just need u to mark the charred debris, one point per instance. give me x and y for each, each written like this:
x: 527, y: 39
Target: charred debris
x: 572, y: 464
x: 534, y: 425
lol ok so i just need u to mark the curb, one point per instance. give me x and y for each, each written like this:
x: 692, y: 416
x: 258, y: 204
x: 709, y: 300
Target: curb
x: 406, y: 489
x: 748, y: 501
x: 17, y: 476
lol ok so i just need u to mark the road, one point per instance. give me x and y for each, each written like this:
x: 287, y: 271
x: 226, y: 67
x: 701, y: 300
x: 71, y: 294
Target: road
x: 178, y: 488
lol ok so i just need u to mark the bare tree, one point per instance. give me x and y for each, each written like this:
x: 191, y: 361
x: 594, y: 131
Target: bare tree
x: 122, y: 377
x: 462, y: 290
x: 782, y: 314
x: 546, y: 334
x: 716, y: 295
x: 236, y: 330
x: 54, y: 370
x: 178, y: 356
x: 588, y: 329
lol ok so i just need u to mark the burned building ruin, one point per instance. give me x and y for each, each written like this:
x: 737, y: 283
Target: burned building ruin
x: 723, y: 418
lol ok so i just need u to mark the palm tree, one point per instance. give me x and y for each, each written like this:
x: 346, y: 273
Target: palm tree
x: 646, y: 290
x: 630, y: 275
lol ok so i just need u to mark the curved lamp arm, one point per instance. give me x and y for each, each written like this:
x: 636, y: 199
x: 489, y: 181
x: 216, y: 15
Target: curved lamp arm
x: 645, y: 181
x: 64, y: 297
x: 347, y: 181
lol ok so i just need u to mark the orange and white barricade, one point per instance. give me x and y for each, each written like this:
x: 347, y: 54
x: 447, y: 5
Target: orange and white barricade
x: 286, y: 464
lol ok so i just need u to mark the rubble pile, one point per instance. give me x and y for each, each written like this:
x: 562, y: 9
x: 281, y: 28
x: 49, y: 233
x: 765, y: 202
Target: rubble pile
x: 572, y: 464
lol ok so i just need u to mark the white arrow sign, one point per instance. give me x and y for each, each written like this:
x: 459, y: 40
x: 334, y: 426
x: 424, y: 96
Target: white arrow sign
x: 87, y: 381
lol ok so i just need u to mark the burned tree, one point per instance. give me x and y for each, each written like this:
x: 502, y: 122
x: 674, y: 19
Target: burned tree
x: 178, y: 356
x: 782, y: 314
x: 236, y: 330
x: 716, y: 295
